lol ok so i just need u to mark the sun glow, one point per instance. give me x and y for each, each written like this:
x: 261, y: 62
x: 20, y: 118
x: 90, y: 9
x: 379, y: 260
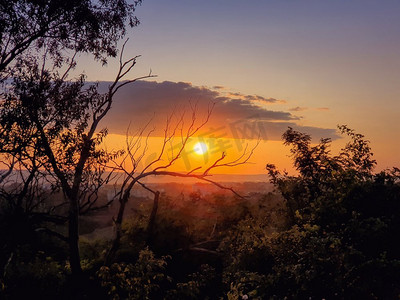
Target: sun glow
x: 200, y: 148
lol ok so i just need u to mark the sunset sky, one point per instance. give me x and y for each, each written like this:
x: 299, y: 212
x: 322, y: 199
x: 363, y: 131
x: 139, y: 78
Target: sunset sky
x: 267, y: 65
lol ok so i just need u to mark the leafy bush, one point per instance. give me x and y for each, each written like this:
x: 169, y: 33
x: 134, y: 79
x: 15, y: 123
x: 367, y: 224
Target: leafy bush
x: 344, y: 219
x: 141, y: 280
x: 201, y: 285
x: 39, y: 278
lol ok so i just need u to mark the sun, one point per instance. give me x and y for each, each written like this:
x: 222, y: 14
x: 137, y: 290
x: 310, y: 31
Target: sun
x: 200, y: 148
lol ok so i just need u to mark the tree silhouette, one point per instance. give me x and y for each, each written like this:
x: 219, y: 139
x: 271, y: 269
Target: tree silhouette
x: 27, y: 26
x: 343, y: 220
x: 49, y: 124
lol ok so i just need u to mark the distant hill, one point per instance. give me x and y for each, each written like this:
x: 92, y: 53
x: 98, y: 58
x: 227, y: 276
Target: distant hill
x: 165, y: 179
x: 215, y: 177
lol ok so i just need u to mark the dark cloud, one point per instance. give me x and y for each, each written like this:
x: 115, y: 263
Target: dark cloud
x: 233, y: 109
x: 256, y: 98
x: 262, y: 99
x: 298, y: 108
x: 274, y: 130
x: 233, y: 115
x: 235, y: 95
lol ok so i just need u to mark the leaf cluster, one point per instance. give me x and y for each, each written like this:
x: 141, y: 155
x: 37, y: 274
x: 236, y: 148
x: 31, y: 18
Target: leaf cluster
x: 78, y: 25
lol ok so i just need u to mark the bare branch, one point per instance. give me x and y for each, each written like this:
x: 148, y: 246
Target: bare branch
x: 190, y: 175
x: 191, y: 130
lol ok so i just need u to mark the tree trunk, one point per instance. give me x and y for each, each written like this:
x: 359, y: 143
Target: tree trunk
x: 73, y: 239
x: 118, y: 232
x: 152, y: 219
x: 118, y: 223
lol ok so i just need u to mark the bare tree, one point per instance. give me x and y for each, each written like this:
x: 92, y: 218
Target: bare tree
x: 135, y: 151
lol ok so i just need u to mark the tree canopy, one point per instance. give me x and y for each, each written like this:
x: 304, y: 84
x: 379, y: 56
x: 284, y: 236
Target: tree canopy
x: 95, y: 27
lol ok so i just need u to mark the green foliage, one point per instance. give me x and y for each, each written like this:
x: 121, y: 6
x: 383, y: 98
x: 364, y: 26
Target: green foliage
x: 245, y: 246
x: 141, y: 280
x: 342, y: 223
x: 323, y: 179
x: 92, y: 253
x: 27, y: 26
x: 247, y: 285
x: 199, y: 285
x: 41, y: 277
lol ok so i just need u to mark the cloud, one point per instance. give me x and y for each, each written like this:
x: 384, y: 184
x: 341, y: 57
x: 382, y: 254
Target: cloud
x: 298, y: 108
x: 263, y: 99
x: 323, y: 108
x: 234, y: 114
x: 254, y: 98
